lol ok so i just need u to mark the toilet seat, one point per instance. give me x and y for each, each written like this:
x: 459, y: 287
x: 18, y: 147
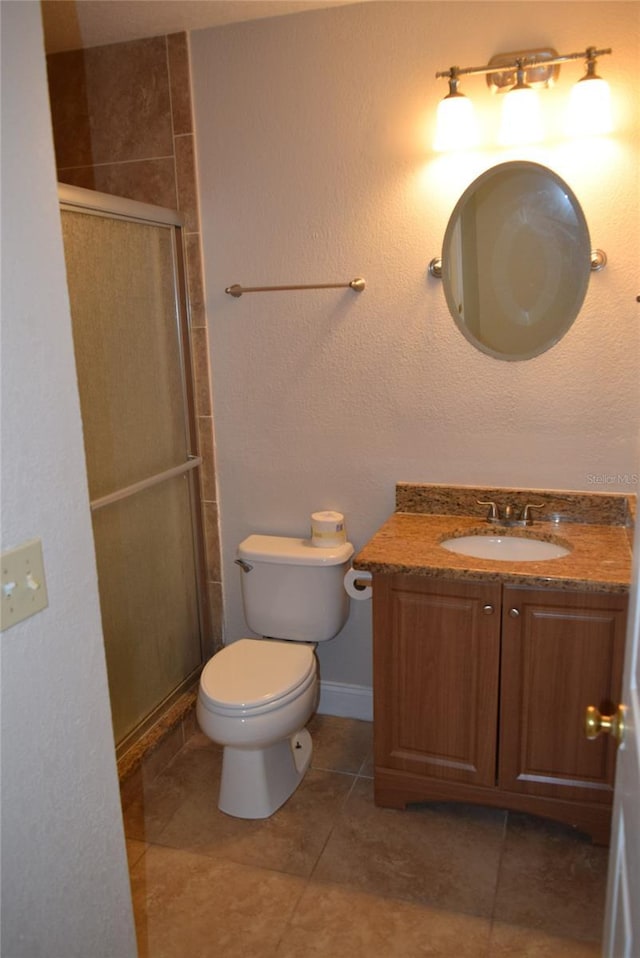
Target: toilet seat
x: 252, y: 676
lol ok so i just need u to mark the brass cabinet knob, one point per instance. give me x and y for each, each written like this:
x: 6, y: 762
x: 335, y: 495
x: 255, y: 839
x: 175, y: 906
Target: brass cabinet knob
x: 595, y: 723
x: 487, y: 609
x: 514, y: 613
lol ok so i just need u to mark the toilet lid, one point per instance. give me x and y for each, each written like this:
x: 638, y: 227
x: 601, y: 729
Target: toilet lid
x: 253, y: 672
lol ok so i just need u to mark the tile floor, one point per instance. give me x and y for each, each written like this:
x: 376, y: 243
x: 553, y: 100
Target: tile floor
x: 332, y: 876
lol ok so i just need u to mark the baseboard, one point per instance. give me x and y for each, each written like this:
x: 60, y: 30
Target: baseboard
x: 347, y: 701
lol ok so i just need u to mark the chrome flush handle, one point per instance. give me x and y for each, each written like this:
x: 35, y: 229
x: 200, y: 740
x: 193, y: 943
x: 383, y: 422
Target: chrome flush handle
x: 245, y: 566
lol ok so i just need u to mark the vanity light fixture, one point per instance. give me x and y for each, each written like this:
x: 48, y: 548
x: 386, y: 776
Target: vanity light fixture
x: 590, y: 101
x: 521, y: 114
x: 456, y: 123
x: 520, y: 75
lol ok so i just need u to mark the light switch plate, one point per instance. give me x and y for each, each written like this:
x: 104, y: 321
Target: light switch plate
x: 23, y: 589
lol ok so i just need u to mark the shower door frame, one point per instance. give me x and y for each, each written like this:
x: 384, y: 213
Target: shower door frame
x: 94, y: 203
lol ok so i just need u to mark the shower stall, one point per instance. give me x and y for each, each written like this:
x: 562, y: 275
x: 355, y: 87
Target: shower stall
x: 129, y: 310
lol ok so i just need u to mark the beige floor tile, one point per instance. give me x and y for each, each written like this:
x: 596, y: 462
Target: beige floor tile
x: 290, y: 841
x: 368, y: 766
x: 552, y: 879
x: 131, y: 788
x: 189, y: 906
x: 163, y: 754
x: 194, y: 770
x: 386, y: 883
x: 135, y: 851
x: 443, y: 855
x: 340, y: 744
x: 331, y: 921
x: 198, y: 739
x: 510, y: 941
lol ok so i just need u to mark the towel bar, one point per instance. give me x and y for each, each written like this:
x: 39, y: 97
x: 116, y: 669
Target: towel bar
x: 236, y: 290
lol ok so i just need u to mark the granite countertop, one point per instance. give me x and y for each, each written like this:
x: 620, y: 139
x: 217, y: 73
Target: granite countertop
x: 408, y: 542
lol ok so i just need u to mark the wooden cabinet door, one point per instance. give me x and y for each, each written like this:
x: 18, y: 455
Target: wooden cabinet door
x: 436, y: 667
x: 561, y: 651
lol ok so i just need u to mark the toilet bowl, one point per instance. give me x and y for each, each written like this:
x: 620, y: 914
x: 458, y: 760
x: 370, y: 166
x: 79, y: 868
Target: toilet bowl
x: 256, y: 695
x: 255, y: 698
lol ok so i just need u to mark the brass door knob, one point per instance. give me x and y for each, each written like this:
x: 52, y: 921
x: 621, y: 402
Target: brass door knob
x: 595, y: 723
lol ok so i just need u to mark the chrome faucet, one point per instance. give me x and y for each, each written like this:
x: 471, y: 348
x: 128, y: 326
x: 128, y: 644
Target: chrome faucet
x: 525, y: 516
x: 507, y: 518
x: 493, y: 514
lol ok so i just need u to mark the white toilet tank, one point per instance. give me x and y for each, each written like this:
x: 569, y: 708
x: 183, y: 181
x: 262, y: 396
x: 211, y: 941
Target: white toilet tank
x: 292, y: 589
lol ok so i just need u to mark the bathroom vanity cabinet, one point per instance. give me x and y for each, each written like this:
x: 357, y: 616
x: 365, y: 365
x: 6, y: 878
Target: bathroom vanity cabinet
x: 480, y: 694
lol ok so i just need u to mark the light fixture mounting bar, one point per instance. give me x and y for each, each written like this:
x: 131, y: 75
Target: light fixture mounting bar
x: 522, y: 61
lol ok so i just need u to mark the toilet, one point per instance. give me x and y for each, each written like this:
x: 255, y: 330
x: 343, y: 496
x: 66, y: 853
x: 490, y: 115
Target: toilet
x: 257, y: 695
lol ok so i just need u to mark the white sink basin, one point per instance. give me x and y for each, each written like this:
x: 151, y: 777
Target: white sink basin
x: 505, y: 548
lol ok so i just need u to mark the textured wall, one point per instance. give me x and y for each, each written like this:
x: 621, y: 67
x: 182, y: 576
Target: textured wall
x: 315, y: 164
x: 65, y: 889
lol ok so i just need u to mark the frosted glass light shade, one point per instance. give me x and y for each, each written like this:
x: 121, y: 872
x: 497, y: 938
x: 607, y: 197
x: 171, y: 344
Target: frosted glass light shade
x: 521, y: 117
x: 590, y: 108
x: 456, y: 124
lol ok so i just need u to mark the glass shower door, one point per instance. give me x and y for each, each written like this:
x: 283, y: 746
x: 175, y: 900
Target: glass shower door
x: 130, y: 331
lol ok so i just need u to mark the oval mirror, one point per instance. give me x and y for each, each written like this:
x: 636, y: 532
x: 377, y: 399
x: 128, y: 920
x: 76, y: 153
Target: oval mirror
x: 516, y: 260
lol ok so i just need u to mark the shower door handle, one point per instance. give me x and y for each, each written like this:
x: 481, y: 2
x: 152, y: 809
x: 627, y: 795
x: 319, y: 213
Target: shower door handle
x: 192, y: 463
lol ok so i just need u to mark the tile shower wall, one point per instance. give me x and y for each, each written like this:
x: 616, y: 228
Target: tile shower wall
x: 122, y: 124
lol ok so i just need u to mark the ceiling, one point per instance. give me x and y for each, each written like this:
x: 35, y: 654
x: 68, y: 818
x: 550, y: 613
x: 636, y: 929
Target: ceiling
x: 72, y: 24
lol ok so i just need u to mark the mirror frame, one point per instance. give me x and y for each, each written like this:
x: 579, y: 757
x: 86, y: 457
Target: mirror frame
x: 582, y: 239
